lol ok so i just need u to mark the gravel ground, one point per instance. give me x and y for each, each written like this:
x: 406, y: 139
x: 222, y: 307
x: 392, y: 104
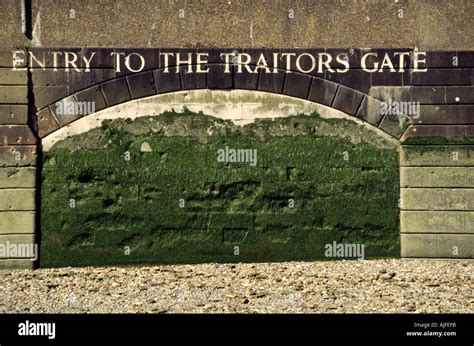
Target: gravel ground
x: 337, y: 286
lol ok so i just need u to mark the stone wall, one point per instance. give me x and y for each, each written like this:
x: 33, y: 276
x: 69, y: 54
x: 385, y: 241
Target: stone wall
x: 18, y: 157
x: 436, y: 172
x: 436, y: 155
x: 426, y: 24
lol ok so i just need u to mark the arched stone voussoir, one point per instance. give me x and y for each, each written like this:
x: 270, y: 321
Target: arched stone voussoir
x: 240, y: 106
x: 148, y: 83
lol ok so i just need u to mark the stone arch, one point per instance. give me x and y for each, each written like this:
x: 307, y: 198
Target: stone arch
x: 240, y: 106
x: 242, y: 222
x: 122, y: 89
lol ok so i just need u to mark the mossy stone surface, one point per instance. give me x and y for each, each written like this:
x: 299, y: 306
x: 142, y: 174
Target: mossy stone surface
x: 316, y: 181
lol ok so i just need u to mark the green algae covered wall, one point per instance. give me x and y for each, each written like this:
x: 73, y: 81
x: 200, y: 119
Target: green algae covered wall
x: 153, y: 191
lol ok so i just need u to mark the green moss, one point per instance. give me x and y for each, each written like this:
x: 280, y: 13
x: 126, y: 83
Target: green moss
x: 135, y: 204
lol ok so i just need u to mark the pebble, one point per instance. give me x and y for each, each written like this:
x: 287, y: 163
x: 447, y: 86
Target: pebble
x: 393, y: 285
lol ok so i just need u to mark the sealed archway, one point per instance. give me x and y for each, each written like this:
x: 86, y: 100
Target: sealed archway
x: 264, y: 178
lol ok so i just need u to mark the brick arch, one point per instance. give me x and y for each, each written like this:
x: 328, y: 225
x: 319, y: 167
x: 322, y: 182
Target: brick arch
x: 124, y: 88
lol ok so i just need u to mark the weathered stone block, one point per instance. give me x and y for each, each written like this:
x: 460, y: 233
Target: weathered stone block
x: 271, y: 82
x: 14, y: 222
x: 394, y: 125
x: 17, y: 199
x: 73, y: 80
x: 418, y: 245
x: 166, y: 82
x: 23, y: 245
x: 436, y: 155
x: 93, y: 94
x: 116, y: 91
x: 297, y: 85
x: 16, y: 135
x: 218, y: 79
x: 437, y: 245
x: 245, y: 80
x: 386, y: 78
x: 17, y: 264
x: 17, y: 177
x: 14, y: 94
x: 347, y: 100
x: 81, y: 80
x: 460, y: 95
x: 422, y: 94
x: 17, y: 155
x: 354, y: 78
x: 141, y: 84
x: 445, y: 77
x: 322, y: 91
x: 370, y: 110
x: 436, y: 221
x: 192, y: 80
x: 454, y: 134
x: 13, y: 77
x: 455, y: 245
x: 437, y: 176
x: 46, y: 95
x: 445, y: 114
x: 437, y: 199
x: 47, y: 122
x: 13, y: 114
x: 465, y: 58
x: 49, y: 77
